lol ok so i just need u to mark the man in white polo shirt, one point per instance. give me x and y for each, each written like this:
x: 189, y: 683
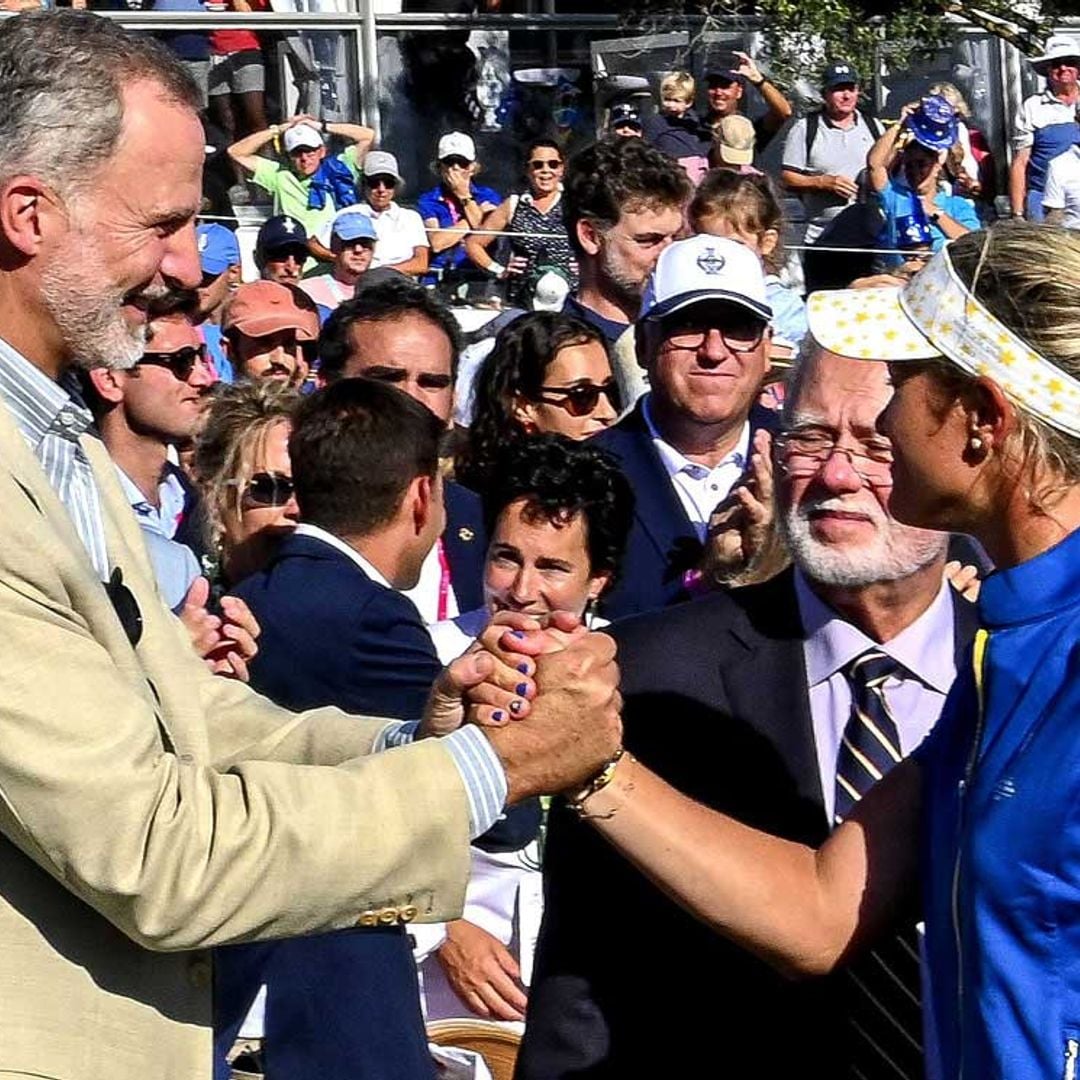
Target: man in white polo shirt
x: 1061, y: 199
x: 402, y: 238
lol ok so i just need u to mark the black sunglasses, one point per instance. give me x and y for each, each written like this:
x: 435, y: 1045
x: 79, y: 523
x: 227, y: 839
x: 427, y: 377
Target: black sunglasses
x: 267, y: 489
x: 181, y: 362
x: 381, y: 181
x: 455, y: 162
x: 553, y: 163
x: 582, y: 399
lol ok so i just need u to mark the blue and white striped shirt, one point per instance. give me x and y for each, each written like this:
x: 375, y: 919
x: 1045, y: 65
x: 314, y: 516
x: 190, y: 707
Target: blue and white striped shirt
x: 51, y: 419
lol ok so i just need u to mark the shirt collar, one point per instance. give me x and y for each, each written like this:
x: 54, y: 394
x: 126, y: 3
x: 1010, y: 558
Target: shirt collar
x: 39, y: 405
x: 924, y: 648
x: 675, y: 461
x: 171, y: 494
x: 315, y: 533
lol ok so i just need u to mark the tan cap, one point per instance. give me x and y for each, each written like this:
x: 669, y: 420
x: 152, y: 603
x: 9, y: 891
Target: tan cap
x: 735, y: 138
x: 261, y: 308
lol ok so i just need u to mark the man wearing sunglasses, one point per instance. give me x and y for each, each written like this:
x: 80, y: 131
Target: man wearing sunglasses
x: 1048, y: 125
x: 271, y: 331
x: 313, y: 185
x: 703, y: 338
x: 353, y: 243
x: 142, y: 413
x: 764, y: 680
x: 725, y: 90
x: 219, y: 257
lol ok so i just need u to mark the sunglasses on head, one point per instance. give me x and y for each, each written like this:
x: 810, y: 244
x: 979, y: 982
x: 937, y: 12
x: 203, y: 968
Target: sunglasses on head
x: 580, y: 400
x: 551, y: 163
x: 381, y: 181
x: 455, y: 161
x: 266, y: 489
x: 181, y: 362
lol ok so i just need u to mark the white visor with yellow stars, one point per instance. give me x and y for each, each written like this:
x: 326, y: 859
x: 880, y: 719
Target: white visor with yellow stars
x: 935, y: 315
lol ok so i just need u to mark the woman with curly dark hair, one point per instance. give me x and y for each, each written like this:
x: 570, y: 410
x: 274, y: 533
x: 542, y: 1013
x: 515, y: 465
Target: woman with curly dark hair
x: 548, y: 373
x: 558, y: 513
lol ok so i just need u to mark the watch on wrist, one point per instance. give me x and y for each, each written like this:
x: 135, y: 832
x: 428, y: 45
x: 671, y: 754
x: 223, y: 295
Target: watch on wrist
x: 323, y: 127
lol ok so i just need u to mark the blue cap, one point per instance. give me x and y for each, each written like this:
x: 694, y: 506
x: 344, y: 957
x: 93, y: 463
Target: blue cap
x: 933, y: 123
x: 353, y: 225
x: 624, y: 115
x: 839, y: 73
x: 912, y: 232
x: 279, y: 232
x: 218, y: 249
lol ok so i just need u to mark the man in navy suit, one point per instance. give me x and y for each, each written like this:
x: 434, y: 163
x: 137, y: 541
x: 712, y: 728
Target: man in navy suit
x: 401, y: 334
x: 745, y: 701
x: 703, y: 337
x: 336, y: 630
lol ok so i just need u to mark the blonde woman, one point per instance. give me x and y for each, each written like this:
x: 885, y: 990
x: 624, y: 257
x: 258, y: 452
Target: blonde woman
x: 984, y: 350
x: 242, y: 467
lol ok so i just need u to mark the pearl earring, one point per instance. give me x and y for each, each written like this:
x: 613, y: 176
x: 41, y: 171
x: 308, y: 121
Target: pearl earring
x: 975, y: 443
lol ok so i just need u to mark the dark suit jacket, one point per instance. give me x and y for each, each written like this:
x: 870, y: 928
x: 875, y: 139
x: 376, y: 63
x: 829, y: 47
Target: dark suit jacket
x: 332, y: 636
x: 465, y: 542
x: 716, y: 703
x: 662, y: 545
x: 342, y: 1006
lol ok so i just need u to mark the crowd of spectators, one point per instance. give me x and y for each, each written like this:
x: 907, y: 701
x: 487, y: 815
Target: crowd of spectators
x: 340, y: 492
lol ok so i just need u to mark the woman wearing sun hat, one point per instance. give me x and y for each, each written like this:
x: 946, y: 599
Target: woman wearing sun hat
x: 905, y: 172
x: 984, y: 350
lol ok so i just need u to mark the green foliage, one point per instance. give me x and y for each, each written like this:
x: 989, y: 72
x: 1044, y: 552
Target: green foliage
x: 800, y: 35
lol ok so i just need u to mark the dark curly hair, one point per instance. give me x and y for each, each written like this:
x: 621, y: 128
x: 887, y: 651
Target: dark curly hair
x: 614, y: 175
x: 562, y: 478
x: 516, y: 365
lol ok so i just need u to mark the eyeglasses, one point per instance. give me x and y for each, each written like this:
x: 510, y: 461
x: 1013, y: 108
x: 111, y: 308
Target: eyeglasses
x: 181, y: 362
x: 266, y: 489
x: 389, y: 182
x: 455, y: 162
x: 537, y: 165
x: 740, y: 335
x: 582, y: 399
x: 801, y: 454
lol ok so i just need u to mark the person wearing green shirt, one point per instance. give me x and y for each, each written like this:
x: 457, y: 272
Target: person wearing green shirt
x: 313, y: 186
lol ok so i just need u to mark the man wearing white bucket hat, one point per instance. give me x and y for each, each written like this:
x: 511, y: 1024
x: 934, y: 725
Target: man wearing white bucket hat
x: 1047, y: 126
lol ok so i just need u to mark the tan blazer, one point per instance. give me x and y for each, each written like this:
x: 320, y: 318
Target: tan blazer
x: 149, y: 810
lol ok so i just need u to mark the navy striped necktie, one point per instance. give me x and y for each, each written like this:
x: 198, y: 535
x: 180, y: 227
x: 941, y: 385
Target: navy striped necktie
x: 884, y: 989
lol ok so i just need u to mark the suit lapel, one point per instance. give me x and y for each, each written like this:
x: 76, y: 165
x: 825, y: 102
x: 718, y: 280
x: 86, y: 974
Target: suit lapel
x: 770, y: 682
x: 656, y: 506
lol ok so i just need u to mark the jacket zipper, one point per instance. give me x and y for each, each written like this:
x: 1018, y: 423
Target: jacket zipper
x: 978, y: 660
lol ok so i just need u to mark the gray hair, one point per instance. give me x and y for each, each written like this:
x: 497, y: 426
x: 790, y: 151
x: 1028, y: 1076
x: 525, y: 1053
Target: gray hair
x: 63, y: 74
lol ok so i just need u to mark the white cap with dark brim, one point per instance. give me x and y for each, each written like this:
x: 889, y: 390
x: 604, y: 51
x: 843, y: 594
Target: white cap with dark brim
x: 703, y: 268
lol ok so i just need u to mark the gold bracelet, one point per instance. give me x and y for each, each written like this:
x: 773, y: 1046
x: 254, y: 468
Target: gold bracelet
x: 597, y: 783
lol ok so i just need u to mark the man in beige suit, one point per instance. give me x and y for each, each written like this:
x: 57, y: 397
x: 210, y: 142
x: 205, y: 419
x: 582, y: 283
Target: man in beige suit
x: 149, y: 810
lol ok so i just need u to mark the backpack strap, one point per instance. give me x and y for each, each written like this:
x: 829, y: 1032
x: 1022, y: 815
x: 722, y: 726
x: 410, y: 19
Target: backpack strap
x: 813, y: 122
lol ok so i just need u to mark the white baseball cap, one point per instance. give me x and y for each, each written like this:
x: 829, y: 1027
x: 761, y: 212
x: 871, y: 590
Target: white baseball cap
x: 456, y: 144
x: 302, y: 135
x: 705, y: 268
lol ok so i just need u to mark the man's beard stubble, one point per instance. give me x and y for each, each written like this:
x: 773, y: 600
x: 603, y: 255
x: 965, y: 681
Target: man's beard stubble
x: 897, y: 552
x: 88, y: 314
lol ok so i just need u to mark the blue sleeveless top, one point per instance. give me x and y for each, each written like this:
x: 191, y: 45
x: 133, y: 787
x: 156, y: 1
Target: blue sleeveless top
x: 1001, y: 834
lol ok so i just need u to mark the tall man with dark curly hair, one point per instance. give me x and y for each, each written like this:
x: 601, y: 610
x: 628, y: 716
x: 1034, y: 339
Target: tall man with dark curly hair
x: 623, y: 205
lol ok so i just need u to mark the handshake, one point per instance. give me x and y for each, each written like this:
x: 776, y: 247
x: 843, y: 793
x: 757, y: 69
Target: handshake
x: 545, y: 694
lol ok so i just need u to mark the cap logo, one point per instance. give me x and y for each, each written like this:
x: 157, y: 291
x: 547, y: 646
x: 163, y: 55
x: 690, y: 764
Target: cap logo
x: 289, y: 225
x: 842, y: 69
x: 204, y: 240
x: 710, y: 262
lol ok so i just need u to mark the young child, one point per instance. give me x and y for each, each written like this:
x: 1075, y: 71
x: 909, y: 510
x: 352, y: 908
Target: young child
x: 744, y: 207
x: 677, y: 129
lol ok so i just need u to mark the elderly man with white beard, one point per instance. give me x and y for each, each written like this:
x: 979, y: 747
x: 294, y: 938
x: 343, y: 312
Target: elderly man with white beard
x: 778, y: 704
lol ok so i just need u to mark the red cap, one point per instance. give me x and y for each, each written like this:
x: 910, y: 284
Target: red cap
x: 261, y: 308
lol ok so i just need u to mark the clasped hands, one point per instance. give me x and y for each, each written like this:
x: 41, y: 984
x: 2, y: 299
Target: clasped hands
x: 546, y: 695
